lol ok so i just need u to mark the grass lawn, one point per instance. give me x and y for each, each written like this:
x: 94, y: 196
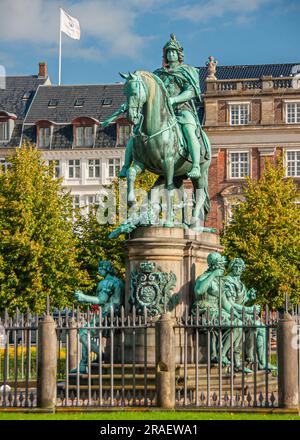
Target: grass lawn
x: 149, y: 415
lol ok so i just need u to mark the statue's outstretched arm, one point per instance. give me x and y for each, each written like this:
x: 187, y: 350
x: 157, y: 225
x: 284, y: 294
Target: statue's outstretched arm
x: 81, y: 297
x: 114, y: 116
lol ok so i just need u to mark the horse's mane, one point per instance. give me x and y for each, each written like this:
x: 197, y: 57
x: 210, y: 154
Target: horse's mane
x: 159, y: 82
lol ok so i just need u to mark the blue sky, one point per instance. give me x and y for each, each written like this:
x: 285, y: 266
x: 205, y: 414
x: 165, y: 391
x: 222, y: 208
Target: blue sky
x: 119, y: 35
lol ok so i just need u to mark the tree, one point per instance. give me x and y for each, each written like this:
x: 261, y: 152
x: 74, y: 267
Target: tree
x: 266, y: 234
x: 38, y: 250
x: 94, y: 243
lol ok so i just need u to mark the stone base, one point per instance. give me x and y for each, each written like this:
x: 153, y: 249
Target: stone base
x: 172, y: 249
x: 176, y: 250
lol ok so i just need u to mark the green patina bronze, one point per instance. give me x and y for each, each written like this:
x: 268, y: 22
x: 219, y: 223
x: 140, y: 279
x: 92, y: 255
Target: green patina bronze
x: 167, y: 136
x: 151, y: 289
x: 110, y: 297
x: 239, y: 297
x: 222, y: 299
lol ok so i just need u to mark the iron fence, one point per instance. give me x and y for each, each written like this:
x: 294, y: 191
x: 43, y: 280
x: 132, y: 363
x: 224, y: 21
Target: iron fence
x: 207, y: 382
x: 121, y: 368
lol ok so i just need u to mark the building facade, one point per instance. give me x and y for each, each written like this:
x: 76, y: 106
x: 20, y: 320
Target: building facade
x: 251, y: 114
x: 64, y: 122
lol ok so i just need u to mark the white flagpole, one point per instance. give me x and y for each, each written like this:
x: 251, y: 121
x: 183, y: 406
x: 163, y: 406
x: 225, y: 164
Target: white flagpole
x: 59, y: 50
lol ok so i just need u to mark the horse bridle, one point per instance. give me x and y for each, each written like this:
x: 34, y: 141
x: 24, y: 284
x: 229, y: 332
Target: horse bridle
x: 139, y: 131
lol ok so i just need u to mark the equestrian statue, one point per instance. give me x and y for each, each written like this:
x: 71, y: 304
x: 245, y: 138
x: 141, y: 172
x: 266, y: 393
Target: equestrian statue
x: 167, y: 137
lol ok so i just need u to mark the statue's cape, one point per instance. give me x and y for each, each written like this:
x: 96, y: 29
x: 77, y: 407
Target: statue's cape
x: 185, y: 73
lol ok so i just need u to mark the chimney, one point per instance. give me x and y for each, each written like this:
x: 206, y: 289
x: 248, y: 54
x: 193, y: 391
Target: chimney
x: 42, y: 70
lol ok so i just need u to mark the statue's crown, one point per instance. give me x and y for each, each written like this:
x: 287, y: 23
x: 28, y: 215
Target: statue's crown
x: 173, y: 44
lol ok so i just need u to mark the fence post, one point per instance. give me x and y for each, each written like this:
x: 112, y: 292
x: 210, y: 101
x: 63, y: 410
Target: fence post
x: 72, y: 344
x: 47, y: 363
x: 165, y: 362
x: 287, y: 362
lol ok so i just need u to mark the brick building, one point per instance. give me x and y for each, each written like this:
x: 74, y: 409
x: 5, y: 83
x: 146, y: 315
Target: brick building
x: 251, y: 113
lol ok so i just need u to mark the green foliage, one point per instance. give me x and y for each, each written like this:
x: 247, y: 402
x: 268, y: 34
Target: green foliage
x: 94, y: 243
x: 38, y: 253
x: 266, y: 234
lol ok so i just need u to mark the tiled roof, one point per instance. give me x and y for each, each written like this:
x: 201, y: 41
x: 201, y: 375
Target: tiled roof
x: 65, y: 110
x: 11, y: 98
x: 250, y: 71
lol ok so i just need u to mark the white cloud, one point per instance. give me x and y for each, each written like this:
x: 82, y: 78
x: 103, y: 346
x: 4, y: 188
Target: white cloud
x: 207, y: 10
x: 109, y: 24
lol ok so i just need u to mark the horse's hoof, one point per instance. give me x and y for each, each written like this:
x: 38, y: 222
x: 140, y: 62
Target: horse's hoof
x: 195, y: 173
x: 131, y: 198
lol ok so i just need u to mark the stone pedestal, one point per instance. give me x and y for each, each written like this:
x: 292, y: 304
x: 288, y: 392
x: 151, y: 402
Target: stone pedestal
x: 172, y: 249
x: 176, y: 250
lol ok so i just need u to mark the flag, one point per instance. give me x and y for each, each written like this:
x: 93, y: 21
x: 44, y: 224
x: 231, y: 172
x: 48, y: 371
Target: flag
x: 69, y: 25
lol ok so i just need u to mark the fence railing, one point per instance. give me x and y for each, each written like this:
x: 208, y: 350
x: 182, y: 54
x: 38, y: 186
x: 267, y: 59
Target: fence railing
x: 119, y: 360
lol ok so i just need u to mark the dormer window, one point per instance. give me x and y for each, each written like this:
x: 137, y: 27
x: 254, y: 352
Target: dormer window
x: 79, y: 102
x: 84, y: 136
x: 44, y: 133
x: 84, y: 131
x: 52, y: 103
x: 6, y: 125
x: 4, y: 131
x: 106, y: 101
x: 44, y: 137
x: 26, y: 96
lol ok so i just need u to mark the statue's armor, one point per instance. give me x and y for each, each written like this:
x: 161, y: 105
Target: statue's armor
x: 175, y: 86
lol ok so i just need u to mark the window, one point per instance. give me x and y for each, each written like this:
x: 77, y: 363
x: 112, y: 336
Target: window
x: 44, y: 136
x: 123, y: 134
x: 4, y: 165
x: 94, y: 168
x: 293, y: 163
x: 113, y: 167
x: 76, y: 201
x: 238, y: 165
x: 84, y: 136
x: 79, y: 102
x: 74, y: 168
x: 53, y: 103
x: 106, y: 101
x: 4, y: 131
x: 26, y: 95
x: 56, y: 167
x: 239, y: 114
x: 293, y: 112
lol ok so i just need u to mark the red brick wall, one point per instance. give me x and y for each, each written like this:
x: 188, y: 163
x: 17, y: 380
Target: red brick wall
x: 256, y: 111
x: 222, y: 110
x: 278, y: 110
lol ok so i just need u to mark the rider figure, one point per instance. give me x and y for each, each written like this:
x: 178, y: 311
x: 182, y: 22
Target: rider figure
x: 182, y: 83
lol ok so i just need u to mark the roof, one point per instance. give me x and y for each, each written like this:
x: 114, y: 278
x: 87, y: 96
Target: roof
x: 11, y: 98
x: 250, y: 71
x: 65, y: 111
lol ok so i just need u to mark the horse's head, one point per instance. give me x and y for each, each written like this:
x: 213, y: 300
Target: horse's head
x: 136, y: 94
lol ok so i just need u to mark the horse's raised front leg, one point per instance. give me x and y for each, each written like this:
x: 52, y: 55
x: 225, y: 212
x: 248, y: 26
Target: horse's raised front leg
x: 169, y: 176
x: 136, y: 169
